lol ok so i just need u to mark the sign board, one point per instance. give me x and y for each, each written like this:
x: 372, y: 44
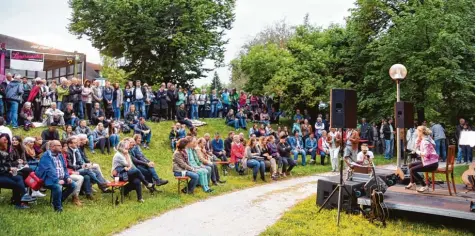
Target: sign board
x: 23, y: 60
x: 468, y: 138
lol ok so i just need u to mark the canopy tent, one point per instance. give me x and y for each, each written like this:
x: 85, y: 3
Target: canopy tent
x: 56, y: 63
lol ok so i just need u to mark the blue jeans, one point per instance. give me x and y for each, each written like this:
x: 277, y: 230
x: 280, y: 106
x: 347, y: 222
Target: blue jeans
x: 257, y: 166
x: 140, y: 106
x: 303, y: 155
x: 467, y: 153
x: 313, y: 154
x: 91, y: 143
x: 242, y: 123
x: 59, y: 105
x: 13, y: 113
x: 117, y: 110
x: 16, y: 184
x: 173, y: 143
x: 148, y: 172
x: 126, y: 108
x: 60, y: 195
x: 194, y: 111
x: 192, y: 183
x: 388, y: 155
x: 441, y: 148
x: 146, y: 111
x: 213, y: 110
x: 392, y: 147
x: 146, y: 137
x: 114, y: 139
x: 460, y: 154
x: 1, y: 107
x: 233, y: 123
x: 78, y: 109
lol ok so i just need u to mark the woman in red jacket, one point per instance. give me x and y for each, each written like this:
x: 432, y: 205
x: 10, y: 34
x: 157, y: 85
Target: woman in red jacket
x: 237, y: 153
x: 242, y: 99
x: 323, y: 146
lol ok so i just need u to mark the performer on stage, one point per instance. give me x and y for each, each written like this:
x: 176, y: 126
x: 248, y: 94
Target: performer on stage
x: 351, y: 149
x: 425, y: 148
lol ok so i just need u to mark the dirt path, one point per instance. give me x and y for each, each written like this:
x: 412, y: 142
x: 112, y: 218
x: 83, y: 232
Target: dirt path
x: 245, y: 212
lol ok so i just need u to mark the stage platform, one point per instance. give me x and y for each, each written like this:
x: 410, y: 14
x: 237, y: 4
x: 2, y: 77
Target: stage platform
x: 438, y: 203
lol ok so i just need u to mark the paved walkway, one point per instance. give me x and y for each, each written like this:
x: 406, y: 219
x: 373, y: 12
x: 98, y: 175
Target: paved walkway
x: 246, y: 212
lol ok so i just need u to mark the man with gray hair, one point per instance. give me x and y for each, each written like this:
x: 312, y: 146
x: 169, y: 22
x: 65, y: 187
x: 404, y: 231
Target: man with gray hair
x: 54, y: 115
x: 14, y: 95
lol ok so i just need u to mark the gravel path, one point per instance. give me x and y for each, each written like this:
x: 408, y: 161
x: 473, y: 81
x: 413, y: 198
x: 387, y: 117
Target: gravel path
x: 245, y: 212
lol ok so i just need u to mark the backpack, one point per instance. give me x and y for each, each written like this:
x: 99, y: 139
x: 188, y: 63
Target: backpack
x: 125, y: 129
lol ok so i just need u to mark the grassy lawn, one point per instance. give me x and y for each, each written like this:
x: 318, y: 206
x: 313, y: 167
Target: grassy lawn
x: 99, y: 217
x: 303, y: 220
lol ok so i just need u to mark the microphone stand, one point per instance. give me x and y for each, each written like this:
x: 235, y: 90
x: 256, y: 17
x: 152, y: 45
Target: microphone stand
x: 339, y: 186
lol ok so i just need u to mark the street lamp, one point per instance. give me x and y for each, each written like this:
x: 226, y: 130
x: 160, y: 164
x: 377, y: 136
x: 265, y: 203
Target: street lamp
x: 398, y: 72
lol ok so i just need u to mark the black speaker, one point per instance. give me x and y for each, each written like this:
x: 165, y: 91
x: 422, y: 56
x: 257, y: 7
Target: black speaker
x: 325, y: 186
x: 343, y: 108
x: 404, y: 115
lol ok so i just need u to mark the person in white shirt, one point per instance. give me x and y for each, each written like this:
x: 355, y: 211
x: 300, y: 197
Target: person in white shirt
x: 364, y: 154
x: 4, y: 129
x: 54, y: 115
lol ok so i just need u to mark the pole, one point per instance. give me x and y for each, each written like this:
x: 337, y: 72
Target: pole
x: 398, y: 129
x: 2, y: 61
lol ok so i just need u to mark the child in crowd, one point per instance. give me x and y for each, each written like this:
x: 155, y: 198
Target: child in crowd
x: 182, y: 133
x: 173, y: 136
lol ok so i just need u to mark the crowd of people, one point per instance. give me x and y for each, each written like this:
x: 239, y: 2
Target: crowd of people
x: 61, y: 161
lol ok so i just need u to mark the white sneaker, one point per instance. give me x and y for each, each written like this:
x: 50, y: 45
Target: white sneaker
x: 37, y: 194
x: 411, y: 186
x: 423, y: 189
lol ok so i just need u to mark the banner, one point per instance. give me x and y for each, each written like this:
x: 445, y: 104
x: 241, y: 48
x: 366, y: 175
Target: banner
x: 22, y: 60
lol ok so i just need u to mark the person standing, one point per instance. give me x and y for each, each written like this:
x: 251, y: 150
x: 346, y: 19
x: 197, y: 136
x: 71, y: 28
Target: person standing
x: 382, y: 138
x: 14, y: 93
x: 202, y: 99
x: 75, y: 90
x: 172, y: 93
x: 225, y: 97
x: 139, y: 94
x: 162, y: 99
x: 214, y: 104
x: 334, y: 139
x: 117, y: 100
x: 63, y: 92
x: 386, y: 130
x: 438, y: 135
x: 97, y: 93
x: 459, y: 128
x: 87, y: 98
x: 127, y: 97
x: 108, y: 93
x: 26, y: 90
x: 375, y: 137
x: 392, y: 136
x: 365, y: 131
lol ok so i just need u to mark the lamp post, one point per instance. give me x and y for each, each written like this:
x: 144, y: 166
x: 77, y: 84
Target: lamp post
x: 398, y: 72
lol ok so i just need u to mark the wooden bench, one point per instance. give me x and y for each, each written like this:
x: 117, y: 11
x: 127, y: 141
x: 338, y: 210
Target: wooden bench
x: 223, y: 165
x: 181, y: 179
x: 119, y: 185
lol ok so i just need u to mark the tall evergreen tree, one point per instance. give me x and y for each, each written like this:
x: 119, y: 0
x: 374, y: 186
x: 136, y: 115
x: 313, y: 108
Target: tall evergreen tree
x: 216, y: 84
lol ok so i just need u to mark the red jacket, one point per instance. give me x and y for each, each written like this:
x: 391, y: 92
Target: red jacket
x: 320, y: 146
x: 237, y: 152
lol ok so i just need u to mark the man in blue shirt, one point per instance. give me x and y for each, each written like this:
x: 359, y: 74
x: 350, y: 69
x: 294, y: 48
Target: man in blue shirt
x: 311, y: 146
x: 142, y: 129
x: 52, y: 170
x: 218, y: 147
x: 297, y: 147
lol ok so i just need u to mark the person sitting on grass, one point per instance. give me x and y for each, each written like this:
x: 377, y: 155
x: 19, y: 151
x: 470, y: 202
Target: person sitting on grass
x: 101, y: 138
x: 228, y: 142
x: 78, y: 162
x: 52, y: 170
x: 142, y: 129
x: 182, y: 167
x: 145, y: 166
x: 69, y: 116
x: 285, y: 153
x: 49, y: 134
x: 218, y: 148
x: 237, y: 153
x: 297, y: 147
x: 37, y: 146
x: 269, y: 161
x: 241, y: 116
x: 82, y: 143
x: 173, y: 136
x: 82, y: 128
x: 182, y: 116
x: 204, y: 172
x: 67, y: 133
x: 123, y: 168
x: 231, y: 120
x: 207, y: 160
x: 30, y: 154
x: 264, y: 117
x: 18, y: 156
x: 26, y: 116
x: 323, y: 146
x: 75, y: 176
x: 255, y: 160
x: 132, y: 117
x: 254, y: 130
x: 9, y: 179
x: 97, y: 115
x: 113, y: 132
x: 311, y: 147
x: 262, y: 130
x: 54, y: 115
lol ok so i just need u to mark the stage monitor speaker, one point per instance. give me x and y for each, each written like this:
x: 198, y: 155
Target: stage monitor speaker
x: 325, y: 186
x: 343, y: 108
x: 404, y: 115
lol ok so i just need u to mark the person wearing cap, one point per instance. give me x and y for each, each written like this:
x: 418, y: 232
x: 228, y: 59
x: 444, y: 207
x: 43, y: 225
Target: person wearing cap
x: 14, y: 94
x: 364, y: 154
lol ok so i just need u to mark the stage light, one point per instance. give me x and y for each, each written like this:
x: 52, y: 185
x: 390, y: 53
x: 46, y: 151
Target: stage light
x: 398, y: 72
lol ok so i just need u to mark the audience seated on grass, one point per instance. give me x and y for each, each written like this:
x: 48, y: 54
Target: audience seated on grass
x: 182, y: 116
x: 237, y: 154
x: 123, y: 168
x: 311, y: 147
x: 18, y: 156
x: 98, y: 116
x: 82, y: 128
x: 173, y: 136
x: 297, y: 147
x: 146, y: 167
x: 132, y: 117
x: 67, y: 133
x: 52, y: 170
x: 208, y: 160
x: 26, y: 116
x: 80, y: 181
x: 101, y: 138
x: 218, y: 148
x: 142, y: 129
x: 284, y: 150
x: 113, y: 133
x: 203, y: 171
x: 69, y: 116
x: 54, y: 116
x: 269, y: 161
x: 254, y: 159
x: 49, y: 134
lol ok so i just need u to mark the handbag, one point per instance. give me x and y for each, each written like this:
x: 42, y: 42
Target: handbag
x: 33, y: 181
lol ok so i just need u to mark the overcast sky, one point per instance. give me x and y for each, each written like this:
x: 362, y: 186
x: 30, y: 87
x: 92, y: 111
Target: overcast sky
x: 44, y: 22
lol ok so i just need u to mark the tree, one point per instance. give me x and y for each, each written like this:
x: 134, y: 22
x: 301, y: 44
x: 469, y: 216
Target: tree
x: 162, y: 41
x: 216, y: 84
x: 111, y: 71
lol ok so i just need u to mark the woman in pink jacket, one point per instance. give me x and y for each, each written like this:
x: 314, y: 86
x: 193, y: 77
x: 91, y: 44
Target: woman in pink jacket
x: 425, y: 148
